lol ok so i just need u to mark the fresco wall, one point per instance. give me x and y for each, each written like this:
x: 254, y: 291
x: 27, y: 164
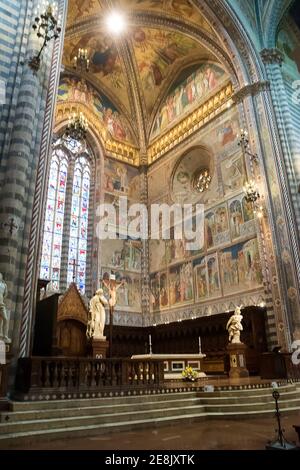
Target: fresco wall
x: 188, y: 93
x: 74, y: 90
x: 122, y: 257
x: 229, y: 262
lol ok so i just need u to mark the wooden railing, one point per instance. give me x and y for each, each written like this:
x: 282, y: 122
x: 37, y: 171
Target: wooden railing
x: 40, y: 375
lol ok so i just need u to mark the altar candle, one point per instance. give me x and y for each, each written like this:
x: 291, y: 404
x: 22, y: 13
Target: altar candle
x: 199, y: 345
x: 150, y: 340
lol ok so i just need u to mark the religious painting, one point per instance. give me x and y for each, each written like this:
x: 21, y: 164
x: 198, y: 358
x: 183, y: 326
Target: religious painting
x: 242, y: 221
x: 289, y: 46
x: 157, y: 255
x: 105, y: 63
x: 121, y: 179
x: 178, y: 8
x: 121, y: 255
x: 236, y: 218
x: 156, y: 51
x: 207, y: 277
x: 133, y: 256
x: 79, y: 91
x: 248, y: 213
x: 187, y: 93
x: 233, y: 173
x: 224, y: 134
x: 209, y: 229
x: 176, y: 250
x: 241, y: 267
x: 129, y: 292
x: 221, y: 225
x: 154, y: 291
x: 201, y: 281
x: 113, y: 254
x: 181, y: 284
x: 213, y: 275
x: 216, y: 227
x: 80, y: 9
x: 163, y: 291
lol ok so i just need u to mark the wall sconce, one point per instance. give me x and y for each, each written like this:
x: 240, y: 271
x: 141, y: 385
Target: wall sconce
x: 81, y: 61
x: 77, y: 127
x: 252, y: 196
x: 244, y: 144
x: 46, y: 28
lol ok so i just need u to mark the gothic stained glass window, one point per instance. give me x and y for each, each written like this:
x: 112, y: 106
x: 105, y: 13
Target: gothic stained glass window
x: 79, y: 223
x: 54, y: 219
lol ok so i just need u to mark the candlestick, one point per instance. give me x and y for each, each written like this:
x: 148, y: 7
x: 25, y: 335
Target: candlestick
x: 199, y: 345
x: 150, y: 345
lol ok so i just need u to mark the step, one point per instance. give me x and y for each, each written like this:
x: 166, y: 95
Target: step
x: 248, y: 391
x: 87, y: 420
x: 19, y: 438
x: 88, y: 402
x: 248, y: 399
x: 237, y: 407
x: 103, y: 408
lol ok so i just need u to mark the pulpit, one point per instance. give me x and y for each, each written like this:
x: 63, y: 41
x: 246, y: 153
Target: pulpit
x: 45, y: 333
x: 72, y: 318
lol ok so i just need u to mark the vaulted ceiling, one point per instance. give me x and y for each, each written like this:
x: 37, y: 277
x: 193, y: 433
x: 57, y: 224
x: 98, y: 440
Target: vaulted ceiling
x: 136, y: 70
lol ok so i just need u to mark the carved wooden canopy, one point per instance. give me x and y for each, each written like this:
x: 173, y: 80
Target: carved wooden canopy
x: 72, y: 306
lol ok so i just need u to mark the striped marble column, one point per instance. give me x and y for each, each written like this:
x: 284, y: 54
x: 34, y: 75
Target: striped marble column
x: 288, y: 247
x: 25, y: 144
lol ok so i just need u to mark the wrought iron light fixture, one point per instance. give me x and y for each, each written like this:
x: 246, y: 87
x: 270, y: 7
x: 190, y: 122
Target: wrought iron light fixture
x: 202, y: 180
x: 77, y: 127
x: 252, y: 196
x: 46, y: 28
x: 244, y: 144
x: 81, y: 61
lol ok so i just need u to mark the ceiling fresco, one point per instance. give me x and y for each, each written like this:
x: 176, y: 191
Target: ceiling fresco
x: 105, y: 62
x: 183, y: 9
x: 137, y: 71
x: 158, y: 53
x: 79, y: 91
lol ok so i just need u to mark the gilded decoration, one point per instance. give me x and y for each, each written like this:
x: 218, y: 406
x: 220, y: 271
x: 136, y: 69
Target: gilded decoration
x: 122, y: 151
x: 211, y: 108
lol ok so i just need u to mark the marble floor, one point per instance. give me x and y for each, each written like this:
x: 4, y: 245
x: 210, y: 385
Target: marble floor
x: 249, y: 434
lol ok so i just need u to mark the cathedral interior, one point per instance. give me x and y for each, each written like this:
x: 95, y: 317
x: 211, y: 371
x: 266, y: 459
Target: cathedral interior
x: 115, y: 115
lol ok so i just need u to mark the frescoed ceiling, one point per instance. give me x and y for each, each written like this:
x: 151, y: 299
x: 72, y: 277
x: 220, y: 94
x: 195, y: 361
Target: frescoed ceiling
x: 137, y: 70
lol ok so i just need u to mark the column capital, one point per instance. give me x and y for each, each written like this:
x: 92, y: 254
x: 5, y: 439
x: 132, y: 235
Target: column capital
x: 251, y: 89
x: 272, y: 56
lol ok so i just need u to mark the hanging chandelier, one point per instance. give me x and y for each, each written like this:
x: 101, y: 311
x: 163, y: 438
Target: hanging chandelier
x: 202, y: 180
x: 251, y: 192
x: 77, y: 127
x: 46, y: 28
x: 81, y: 61
x: 252, y: 196
x: 245, y: 145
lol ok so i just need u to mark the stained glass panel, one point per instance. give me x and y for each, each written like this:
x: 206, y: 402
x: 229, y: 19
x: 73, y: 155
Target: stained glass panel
x: 79, y: 223
x: 54, y: 219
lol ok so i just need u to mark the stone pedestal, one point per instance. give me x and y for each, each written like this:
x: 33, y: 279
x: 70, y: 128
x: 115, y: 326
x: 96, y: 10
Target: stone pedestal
x: 100, y: 347
x: 237, y: 357
x: 4, y: 365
